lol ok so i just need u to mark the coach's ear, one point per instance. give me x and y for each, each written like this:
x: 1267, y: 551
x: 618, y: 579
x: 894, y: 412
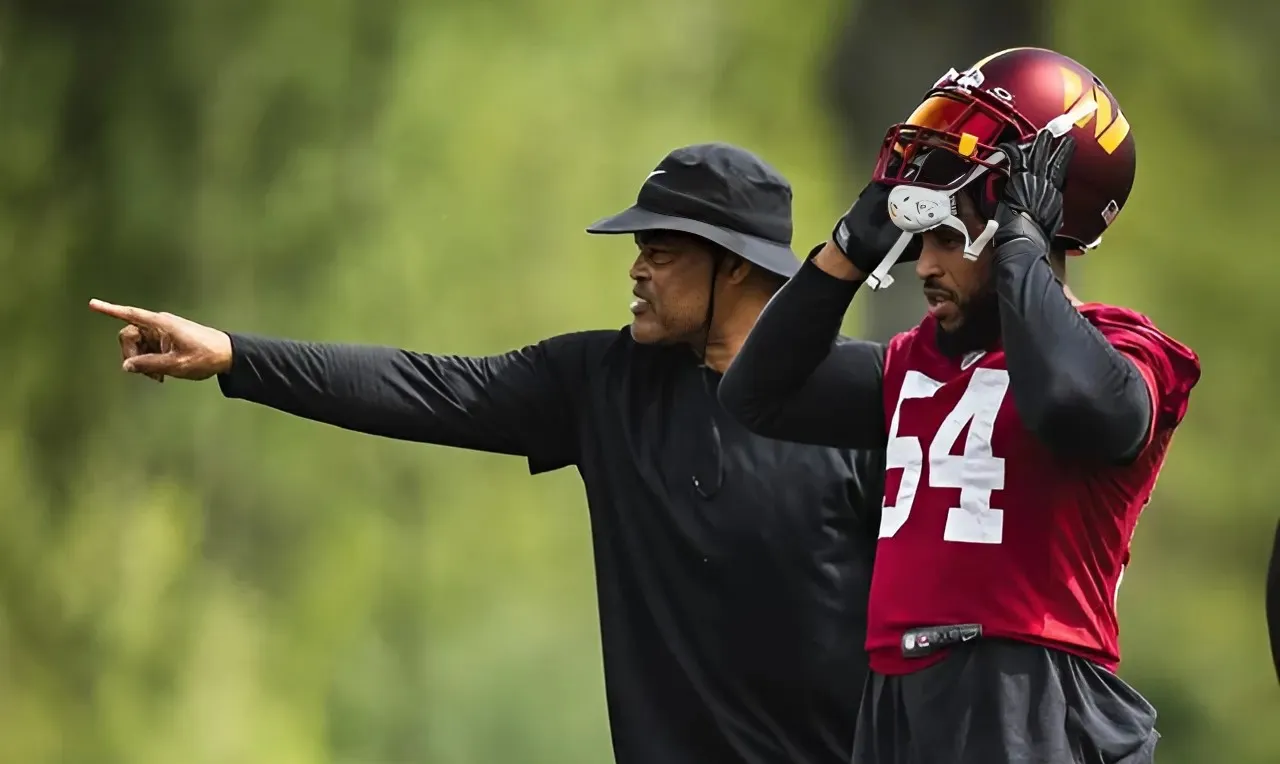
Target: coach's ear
x: 1273, y: 601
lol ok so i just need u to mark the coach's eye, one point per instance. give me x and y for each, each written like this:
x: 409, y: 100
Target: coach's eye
x: 658, y: 255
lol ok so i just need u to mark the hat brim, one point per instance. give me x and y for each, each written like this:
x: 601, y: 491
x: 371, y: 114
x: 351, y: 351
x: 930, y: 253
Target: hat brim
x: 771, y: 255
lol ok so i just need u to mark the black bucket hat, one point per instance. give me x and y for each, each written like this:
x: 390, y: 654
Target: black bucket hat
x: 724, y: 194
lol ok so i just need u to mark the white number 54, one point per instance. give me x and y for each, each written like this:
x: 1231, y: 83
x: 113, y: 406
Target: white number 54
x: 977, y: 472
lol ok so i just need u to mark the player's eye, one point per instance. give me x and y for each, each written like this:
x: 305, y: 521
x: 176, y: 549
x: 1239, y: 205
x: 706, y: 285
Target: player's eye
x: 945, y: 238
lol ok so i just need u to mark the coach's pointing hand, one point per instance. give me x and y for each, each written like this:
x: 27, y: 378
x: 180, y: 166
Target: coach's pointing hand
x: 163, y: 345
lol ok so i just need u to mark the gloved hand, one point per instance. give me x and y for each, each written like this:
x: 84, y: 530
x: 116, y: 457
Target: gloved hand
x: 865, y: 234
x: 1030, y: 210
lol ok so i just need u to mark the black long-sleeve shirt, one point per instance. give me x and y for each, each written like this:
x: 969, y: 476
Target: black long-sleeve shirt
x: 1075, y: 391
x: 733, y: 612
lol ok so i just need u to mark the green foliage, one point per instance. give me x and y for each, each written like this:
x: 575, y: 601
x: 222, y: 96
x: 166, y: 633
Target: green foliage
x: 189, y: 579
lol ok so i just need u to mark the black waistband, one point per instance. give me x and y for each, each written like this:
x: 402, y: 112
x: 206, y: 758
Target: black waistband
x: 920, y: 642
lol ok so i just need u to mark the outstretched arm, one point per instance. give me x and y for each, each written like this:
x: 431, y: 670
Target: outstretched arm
x: 514, y: 403
x: 795, y: 378
x: 521, y: 402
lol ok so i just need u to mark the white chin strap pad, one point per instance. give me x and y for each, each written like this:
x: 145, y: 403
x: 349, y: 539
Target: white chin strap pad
x: 915, y: 210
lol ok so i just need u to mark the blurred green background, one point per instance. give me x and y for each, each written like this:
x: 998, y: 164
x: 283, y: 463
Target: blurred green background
x: 187, y: 579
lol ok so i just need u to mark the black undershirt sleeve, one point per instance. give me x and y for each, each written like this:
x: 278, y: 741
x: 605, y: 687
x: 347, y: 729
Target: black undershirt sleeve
x: 1073, y: 389
x: 520, y: 403
x: 796, y: 379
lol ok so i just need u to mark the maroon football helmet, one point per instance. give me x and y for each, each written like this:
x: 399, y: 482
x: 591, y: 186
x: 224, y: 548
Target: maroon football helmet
x: 1010, y: 96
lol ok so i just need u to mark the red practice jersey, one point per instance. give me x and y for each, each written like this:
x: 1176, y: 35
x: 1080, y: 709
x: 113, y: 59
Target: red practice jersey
x: 983, y: 524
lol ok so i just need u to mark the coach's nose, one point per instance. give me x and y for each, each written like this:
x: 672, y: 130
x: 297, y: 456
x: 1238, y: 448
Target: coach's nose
x: 639, y: 269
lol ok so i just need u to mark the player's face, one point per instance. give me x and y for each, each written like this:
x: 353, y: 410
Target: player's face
x: 952, y: 283
x: 672, y: 276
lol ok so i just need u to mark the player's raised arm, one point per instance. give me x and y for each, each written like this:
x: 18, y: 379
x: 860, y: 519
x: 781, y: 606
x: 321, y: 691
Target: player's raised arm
x: 514, y: 403
x: 796, y: 378
x: 1081, y: 392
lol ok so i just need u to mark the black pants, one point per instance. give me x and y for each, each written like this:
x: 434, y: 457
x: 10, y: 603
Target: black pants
x: 1001, y: 702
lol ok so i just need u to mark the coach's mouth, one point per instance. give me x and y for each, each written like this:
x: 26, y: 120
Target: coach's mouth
x: 640, y: 304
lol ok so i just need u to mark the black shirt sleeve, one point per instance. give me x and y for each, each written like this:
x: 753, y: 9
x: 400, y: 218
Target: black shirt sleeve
x: 796, y: 379
x: 520, y: 403
x: 1073, y: 389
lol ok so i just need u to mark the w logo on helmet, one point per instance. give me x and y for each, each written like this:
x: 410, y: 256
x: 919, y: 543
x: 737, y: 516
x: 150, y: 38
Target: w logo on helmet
x: 1110, y: 127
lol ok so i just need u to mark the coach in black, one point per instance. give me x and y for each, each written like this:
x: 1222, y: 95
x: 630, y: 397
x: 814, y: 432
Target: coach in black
x: 732, y: 570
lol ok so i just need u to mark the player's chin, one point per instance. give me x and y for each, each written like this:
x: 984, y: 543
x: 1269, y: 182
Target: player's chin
x: 948, y: 314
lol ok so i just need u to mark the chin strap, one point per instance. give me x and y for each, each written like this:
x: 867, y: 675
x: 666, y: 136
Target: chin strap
x: 915, y: 210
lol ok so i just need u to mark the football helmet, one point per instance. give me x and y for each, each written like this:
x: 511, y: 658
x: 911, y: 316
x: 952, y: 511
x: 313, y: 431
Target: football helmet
x: 1010, y: 96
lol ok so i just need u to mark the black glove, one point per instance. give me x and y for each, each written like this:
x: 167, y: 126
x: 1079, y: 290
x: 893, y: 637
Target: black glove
x: 865, y: 234
x: 1030, y: 209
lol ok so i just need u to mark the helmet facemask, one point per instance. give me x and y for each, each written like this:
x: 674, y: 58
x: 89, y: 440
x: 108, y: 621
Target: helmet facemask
x: 935, y: 164
x: 964, y: 127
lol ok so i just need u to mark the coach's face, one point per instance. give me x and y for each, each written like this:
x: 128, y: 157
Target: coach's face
x: 672, y: 276
x: 952, y: 283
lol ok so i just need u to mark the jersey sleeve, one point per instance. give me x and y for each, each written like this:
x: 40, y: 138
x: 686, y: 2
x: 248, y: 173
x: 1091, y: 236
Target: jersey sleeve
x: 1170, y: 368
x: 522, y: 402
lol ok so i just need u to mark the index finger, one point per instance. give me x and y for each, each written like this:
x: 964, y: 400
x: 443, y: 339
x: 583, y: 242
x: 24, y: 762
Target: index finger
x: 1013, y: 157
x: 126, y: 313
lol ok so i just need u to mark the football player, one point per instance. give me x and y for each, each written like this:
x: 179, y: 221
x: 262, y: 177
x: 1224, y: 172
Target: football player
x: 1024, y: 428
